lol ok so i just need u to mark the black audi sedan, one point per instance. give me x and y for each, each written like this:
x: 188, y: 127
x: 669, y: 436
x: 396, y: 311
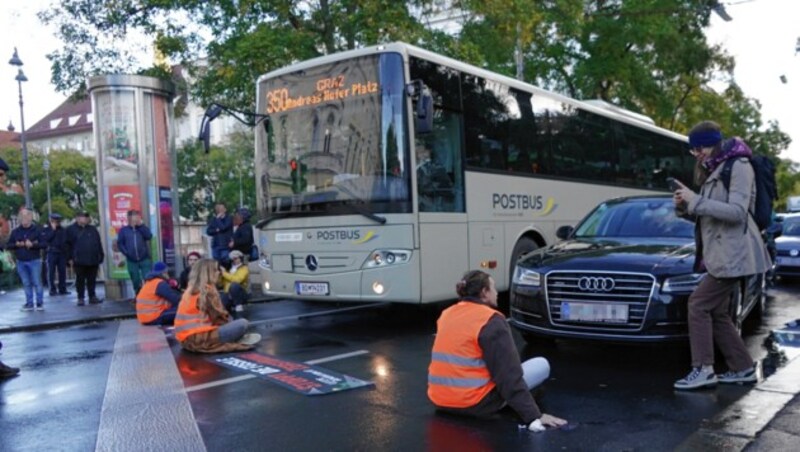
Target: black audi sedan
x: 624, y: 274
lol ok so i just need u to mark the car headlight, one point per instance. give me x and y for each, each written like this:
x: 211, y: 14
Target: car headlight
x: 682, y: 283
x: 526, y: 277
x: 383, y: 258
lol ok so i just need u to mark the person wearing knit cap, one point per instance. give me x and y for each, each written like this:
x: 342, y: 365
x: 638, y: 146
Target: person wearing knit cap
x: 728, y: 247
x: 157, y: 302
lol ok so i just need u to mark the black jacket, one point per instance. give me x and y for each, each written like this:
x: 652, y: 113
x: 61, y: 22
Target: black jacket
x: 85, y: 247
x: 243, y: 238
x: 20, y: 234
x: 55, y: 239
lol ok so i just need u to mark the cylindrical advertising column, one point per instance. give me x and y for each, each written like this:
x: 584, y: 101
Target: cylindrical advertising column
x: 133, y: 133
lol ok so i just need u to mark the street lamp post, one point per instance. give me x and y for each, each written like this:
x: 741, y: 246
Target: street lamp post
x: 15, y: 61
x: 46, y: 165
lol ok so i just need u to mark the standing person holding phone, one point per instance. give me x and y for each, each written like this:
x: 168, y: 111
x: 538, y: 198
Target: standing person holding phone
x: 729, y: 247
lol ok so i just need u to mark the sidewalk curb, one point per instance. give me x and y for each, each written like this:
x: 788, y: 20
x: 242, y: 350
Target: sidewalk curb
x: 740, y: 424
x: 101, y: 318
x: 65, y: 323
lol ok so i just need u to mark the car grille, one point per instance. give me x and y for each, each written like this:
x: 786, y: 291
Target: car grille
x: 632, y: 289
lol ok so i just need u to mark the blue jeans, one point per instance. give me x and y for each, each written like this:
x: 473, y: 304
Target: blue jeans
x: 232, y: 331
x: 31, y: 274
x: 167, y: 317
x: 137, y: 271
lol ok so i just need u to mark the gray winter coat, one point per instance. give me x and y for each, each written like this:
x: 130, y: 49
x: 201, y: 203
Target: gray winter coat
x: 730, y: 249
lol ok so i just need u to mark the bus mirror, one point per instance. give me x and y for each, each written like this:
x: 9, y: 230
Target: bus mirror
x: 424, y: 123
x: 564, y: 232
x: 212, y: 112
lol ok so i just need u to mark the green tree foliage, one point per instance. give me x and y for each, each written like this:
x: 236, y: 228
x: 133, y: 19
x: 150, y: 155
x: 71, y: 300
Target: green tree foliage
x: 73, y: 181
x: 204, y: 179
x: 649, y: 56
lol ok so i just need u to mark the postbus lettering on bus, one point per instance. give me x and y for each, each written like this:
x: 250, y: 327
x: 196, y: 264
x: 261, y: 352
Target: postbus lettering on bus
x: 339, y: 234
x: 517, y: 201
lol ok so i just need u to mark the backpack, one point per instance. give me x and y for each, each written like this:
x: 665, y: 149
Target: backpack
x: 766, y: 187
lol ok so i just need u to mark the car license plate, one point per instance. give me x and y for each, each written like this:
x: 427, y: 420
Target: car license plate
x: 311, y: 288
x: 791, y: 261
x: 594, y: 312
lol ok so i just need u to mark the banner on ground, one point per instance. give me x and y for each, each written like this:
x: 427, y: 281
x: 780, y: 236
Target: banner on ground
x: 299, y: 377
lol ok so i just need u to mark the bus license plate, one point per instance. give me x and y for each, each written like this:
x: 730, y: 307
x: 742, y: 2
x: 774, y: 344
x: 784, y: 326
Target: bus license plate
x: 312, y: 288
x: 788, y: 261
x: 585, y: 312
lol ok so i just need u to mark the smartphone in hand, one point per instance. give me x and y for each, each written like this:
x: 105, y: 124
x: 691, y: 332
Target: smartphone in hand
x: 674, y: 184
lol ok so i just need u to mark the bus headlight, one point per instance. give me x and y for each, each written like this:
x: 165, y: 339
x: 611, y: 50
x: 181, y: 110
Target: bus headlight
x: 383, y: 258
x: 525, y: 277
x: 266, y: 287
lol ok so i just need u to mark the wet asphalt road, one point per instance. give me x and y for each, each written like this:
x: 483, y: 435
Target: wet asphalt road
x: 616, y: 397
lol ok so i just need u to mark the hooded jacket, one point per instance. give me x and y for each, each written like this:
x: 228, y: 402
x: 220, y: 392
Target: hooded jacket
x: 243, y: 235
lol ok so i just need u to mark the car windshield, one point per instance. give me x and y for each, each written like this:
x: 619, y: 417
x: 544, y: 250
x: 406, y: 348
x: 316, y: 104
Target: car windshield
x: 635, y: 218
x: 791, y: 227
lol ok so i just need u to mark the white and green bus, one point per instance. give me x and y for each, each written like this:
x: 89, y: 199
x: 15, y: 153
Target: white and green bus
x: 362, y: 198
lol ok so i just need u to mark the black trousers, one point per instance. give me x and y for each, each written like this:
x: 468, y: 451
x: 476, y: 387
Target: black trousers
x: 85, y: 280
x: 57, y: 262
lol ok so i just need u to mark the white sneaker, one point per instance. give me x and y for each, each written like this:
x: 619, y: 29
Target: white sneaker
x: 697, y: 378
x: 239, y: 308
x: 749, y: 375
x: 250, y: 339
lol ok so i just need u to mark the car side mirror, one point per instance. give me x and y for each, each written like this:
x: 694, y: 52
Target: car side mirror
x: 564, y: 232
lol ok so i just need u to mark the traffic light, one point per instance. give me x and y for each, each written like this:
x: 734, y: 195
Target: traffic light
x: 298, y: 176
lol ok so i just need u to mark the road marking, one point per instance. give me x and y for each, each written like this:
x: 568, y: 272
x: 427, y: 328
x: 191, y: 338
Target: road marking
x: 317, y: 314
x: 226, y: 381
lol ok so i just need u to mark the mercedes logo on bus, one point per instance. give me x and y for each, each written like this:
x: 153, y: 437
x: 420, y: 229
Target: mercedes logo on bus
x: 596, y: 284
x: 311, y: 262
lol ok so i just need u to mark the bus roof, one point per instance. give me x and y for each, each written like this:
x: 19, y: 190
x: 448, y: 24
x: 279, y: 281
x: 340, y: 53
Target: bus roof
x: 601, y: 108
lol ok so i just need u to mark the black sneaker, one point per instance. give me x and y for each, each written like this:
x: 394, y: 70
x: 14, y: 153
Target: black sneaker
x: 53, y: 293
x: 81, y: 302
x: 40, y: 307
x: 8, y: 371
x: 95, y: 300
x: 26, y: 308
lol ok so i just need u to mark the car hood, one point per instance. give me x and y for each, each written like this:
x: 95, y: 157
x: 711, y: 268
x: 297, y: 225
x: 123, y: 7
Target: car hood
x: 668, y: 256
x: 786, y: 242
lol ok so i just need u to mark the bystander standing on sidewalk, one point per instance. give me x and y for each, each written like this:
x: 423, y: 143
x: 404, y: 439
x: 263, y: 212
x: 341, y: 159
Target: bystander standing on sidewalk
x: 133, y: 242
x: 86, y: 254
x: 220, y: 228
x: 729, y: 247
x: 54, y: 238
x: 25, y: 242
x: 242, y: 238
x: 183, y: 279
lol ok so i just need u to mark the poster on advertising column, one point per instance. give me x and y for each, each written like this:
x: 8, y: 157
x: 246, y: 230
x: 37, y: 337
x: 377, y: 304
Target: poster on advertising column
x: 298, y: 377
x: 121, y: 199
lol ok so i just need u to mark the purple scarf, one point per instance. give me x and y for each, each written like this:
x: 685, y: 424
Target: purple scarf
x: 732, y: 148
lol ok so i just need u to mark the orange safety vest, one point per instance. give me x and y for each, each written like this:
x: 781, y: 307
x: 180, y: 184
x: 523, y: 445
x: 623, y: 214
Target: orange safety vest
x: 149, y: 305
x: 189, y: 320
x: 458, y: 376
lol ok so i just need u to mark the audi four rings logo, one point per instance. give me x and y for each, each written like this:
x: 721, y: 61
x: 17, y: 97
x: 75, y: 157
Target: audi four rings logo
x: 311, y: 262
x: 596, y: 284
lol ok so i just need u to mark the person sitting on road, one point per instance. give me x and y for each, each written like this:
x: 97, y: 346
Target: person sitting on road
x: 202, y: 324
x: 183, y: 279
x: 475, y: 369
x: 157, y: 302
x: 235, y: 282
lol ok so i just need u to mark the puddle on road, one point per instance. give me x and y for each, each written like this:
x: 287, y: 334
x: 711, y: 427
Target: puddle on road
x: 782, y: 345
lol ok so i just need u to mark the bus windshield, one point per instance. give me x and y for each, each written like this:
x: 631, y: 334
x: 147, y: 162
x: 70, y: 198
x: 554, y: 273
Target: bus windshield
x: 336, y: 140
